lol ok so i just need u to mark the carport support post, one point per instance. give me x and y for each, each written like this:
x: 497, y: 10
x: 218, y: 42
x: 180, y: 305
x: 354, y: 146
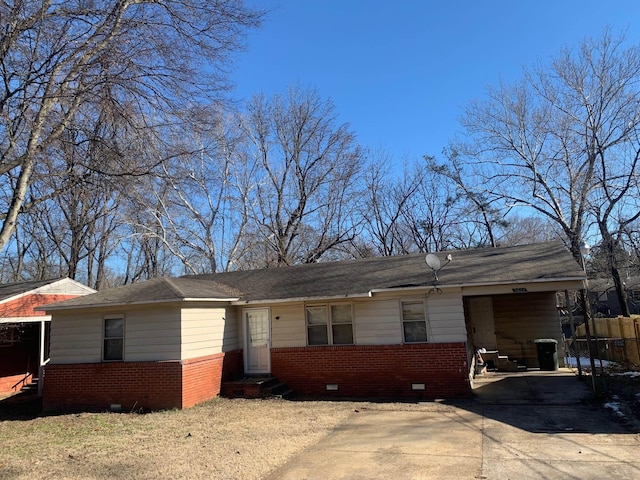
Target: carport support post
x: 587, y: 330
x: 573, y: 332
x: 43, y: 330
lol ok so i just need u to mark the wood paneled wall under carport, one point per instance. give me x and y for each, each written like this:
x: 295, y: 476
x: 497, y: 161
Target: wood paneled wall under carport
x: 520, y: 319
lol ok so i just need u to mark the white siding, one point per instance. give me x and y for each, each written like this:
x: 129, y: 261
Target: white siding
x: 152, y: 334
x: 232, y: 330
x: 288, y: 326
x: 202, y: 331
x: 446, y: 318
x: 76, y: 338
x: 377, y: 322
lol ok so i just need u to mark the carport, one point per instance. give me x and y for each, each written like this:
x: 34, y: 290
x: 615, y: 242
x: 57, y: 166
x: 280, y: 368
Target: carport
x: 507, y: 327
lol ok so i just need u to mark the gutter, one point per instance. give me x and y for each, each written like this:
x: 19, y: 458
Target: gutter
x: 299, y: 299
x: 46, y: 308
x: 372, y: 292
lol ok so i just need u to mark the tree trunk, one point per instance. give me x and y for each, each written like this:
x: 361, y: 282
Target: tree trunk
x: 610, y: 246
x: 620, y: 291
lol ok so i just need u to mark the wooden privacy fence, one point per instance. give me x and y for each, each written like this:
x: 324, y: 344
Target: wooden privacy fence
x: 618, y: 338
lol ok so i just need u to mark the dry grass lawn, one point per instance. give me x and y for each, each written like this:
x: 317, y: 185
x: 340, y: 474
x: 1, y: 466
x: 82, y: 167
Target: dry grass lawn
x: 221, y: 439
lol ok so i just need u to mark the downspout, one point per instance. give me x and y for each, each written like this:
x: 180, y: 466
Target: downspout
x: 42, y: 361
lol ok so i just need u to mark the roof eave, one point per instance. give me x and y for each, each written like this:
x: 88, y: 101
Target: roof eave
x: 299, y: 299
x: 443, y: 286
x: 137, y: 302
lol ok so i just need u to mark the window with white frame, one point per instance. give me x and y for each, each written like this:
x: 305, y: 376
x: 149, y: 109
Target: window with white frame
x: 414, y: 322
x: 113, y: 345
x: 330, y: 324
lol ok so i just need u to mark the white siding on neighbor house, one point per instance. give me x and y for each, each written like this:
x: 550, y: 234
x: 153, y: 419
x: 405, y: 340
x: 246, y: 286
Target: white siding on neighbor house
x: 377, y: 322
x: 76, y: 338
x: 65, y: 286
x: 152, y: 334
x: 288, y: 326
x: 446, y: 317
x: 203, y: 331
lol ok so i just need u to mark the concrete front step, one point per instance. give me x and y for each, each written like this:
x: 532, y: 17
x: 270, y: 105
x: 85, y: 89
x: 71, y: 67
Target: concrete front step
x: 30, y: 387
x: 255, y: 387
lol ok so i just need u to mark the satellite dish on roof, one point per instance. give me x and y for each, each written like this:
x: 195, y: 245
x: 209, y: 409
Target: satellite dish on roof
x: 434, y: 264
x: 432, y: 261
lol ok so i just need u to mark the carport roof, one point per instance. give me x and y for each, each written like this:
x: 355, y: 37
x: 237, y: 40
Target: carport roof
x: 535, y: 263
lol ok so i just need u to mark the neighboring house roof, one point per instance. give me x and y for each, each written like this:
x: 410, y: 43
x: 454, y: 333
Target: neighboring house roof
x: 9, y: 291
x: 19, y: 301
x: 545, y: 262
x: 604, y: 284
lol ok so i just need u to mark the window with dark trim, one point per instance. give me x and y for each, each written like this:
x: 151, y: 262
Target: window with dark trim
x: 330, y: 324
x: 414, y: 322
x: 113, y: 346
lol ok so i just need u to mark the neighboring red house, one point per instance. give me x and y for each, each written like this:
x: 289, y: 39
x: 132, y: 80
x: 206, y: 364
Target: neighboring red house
x: 24, y: 332
x: 371, y: 328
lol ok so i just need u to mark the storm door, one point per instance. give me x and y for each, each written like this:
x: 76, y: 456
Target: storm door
x: 256, y: 340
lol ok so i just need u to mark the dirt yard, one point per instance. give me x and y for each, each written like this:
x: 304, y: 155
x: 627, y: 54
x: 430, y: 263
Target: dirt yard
x: 221, y: 439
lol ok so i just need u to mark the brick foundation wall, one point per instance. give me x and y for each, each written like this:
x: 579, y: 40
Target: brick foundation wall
x: 233, y: 365
x: 96, y: 386
x: 201, y: 379
x: 375, y: 371
x: 134, y: 385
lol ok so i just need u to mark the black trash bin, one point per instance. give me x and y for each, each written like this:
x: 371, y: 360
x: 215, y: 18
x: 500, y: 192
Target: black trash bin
x: 547, y: 353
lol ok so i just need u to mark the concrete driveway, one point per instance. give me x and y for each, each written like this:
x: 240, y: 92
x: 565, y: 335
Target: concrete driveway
x: 521, y: 426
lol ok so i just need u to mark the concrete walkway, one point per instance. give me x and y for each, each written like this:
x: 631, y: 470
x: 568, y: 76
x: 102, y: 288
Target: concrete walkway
x: 522, y: 426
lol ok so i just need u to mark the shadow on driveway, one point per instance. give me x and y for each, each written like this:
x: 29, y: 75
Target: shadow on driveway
x: 550, y: 402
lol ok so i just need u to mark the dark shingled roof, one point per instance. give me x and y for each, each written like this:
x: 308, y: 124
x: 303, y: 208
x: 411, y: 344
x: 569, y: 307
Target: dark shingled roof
x: 9, y: 290
x: 486, y: 266
x: 162, y: 289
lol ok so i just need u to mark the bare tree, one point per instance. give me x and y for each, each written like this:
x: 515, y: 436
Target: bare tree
x: 143, y: 243
x: 524, y: 230
x: 207, y: 206
x: 564, y: 140
x: 305, y: 192
x: 481, y: 217
x: 385, y: 210
x: 139, y: 60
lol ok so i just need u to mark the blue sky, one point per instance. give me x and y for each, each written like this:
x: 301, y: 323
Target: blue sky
x: 399, y: 72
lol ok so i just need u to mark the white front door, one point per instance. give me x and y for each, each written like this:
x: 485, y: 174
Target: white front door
x: 256, y: 340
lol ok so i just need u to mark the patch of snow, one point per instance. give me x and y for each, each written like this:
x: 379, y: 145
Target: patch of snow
x: 585, y: 363
x: 615, y: 406
x: 626, y: 374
